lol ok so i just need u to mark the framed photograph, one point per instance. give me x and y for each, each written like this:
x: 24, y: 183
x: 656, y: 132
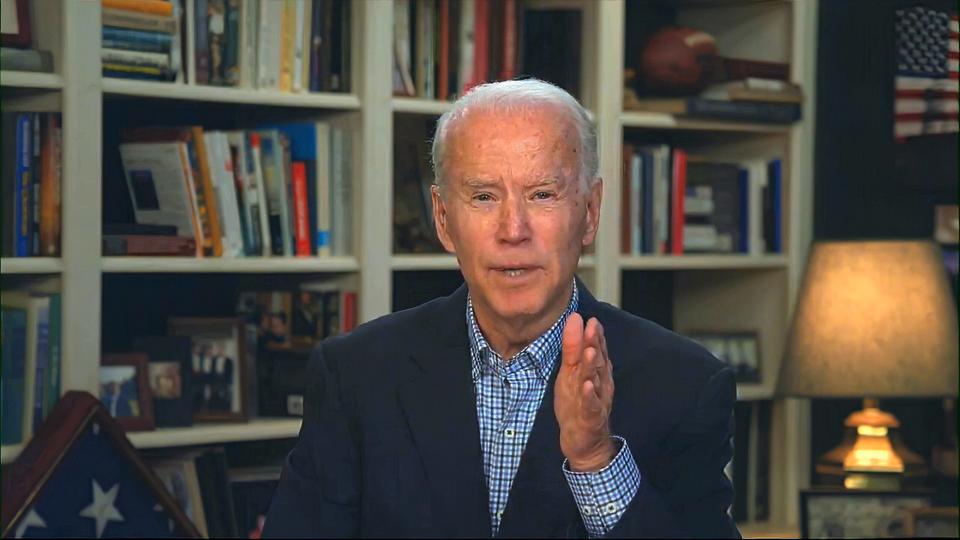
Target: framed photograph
x: 170, y: 375
x: 218, y: 371
x: 179, y: 475
x: 739, y: 349
x: 125, y: 392
x: 935, y: 522
x: 858, y: 514
x: 15, y: 23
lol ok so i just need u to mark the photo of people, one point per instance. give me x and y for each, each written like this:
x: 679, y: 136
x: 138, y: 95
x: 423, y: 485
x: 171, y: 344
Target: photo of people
x: 215, y: 386
x: 165, y: 380
x: 118, y: 391
x: 306, y: 325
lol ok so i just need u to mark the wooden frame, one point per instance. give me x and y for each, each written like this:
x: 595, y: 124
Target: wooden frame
x: 724, y: 346
x: 208, y: 334
x: 142, y: 419
x: 933, y: 522
x: 42, y: 457
x: 22, y: 37
x: 884, y: 512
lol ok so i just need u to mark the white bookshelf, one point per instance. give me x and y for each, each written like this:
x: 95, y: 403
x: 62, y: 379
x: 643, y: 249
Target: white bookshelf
x: 26, y: 79
x: 257, y: 429
x: 753, y: 291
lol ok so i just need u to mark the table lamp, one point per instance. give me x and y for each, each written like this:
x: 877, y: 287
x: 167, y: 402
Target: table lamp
x: 874, y: 319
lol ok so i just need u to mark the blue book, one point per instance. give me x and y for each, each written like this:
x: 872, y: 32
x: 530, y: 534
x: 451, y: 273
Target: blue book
x: 744, y: 211
x: 135, y: 40
x: 14, y: 357
x: 773, y: 226
x: 43, y: 360
x: 646, y: 188
x: 52, y: 391
x: 23, y: 183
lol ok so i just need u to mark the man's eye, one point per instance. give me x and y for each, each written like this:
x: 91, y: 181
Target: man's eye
x: 482, y: 197
x: 543, y: 195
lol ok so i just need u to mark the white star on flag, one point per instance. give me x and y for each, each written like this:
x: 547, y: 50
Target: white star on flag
x: 33, y: 519
x: 102, y: 508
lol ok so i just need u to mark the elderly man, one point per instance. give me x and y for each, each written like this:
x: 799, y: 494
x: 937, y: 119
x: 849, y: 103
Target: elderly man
x: 519, y: 405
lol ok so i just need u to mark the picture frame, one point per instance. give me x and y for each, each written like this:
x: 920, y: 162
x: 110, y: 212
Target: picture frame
x: 218, y: 363
x: 839, y: 513
x: 739, y: 349
x: 179, y: 475
x: 933, y: 522
x: 125, y: 390
x: 15, y: 20
x: 170, y: 373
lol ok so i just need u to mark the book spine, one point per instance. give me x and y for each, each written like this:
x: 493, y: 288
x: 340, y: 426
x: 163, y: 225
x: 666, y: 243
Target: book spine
x: 306, y: 44
x: 776, y: 197
x: 248, y: 44
x: 269, y: 37
x: 251, y: 195
x: 678, y: 189
x: 22, y: 190
x: 201, y: 51
x: 37, y: 122
x: 156, y: 7
x: 300, y: 210
x: 349, y: 319
x: 49, y: 189
x: 216, y: 40
x: 340, y: 71
x: 266, y: 248
x: 296, y: 69
x: 744, y: 110
x: 509, y: 62
x: 231, y: 58
x: 625, y: 200
x: 481, y: 43
x: 133, y: 20
x: 443, y: 83
x: 43, y: 356
x: 737, y: 69
x: 133, y: 244
x: 744, y: 217
x: 209, y: 197
x: 287, y: 48
x: 139, y: 40
x: 14, y: 352
x: 316, y: 42
x: 636, y: 210
x: 52, y: 392
x: 326, y: 63
x: 135, y: 58
x: 646, y: 200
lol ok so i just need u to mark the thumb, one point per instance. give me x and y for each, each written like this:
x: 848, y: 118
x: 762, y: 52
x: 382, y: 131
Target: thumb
x: 572, y: 341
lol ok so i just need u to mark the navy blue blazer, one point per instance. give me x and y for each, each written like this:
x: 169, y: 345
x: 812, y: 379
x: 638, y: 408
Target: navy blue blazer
x: 390, y: 444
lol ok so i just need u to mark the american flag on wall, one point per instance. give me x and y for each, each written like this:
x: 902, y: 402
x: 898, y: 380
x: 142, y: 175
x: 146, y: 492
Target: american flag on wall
x: 926, y: 79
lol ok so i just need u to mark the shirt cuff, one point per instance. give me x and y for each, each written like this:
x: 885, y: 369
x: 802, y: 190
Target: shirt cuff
x: 603, y: 496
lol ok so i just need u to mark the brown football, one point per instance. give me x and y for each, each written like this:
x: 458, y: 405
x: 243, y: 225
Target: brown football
x: 675, y: 60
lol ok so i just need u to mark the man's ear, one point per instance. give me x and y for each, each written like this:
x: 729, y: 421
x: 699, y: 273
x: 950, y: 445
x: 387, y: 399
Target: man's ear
x: 440, y: 219
x: 594, y: 198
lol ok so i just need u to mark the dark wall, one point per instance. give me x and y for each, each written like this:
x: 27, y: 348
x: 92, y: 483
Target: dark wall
x: 867, y: 185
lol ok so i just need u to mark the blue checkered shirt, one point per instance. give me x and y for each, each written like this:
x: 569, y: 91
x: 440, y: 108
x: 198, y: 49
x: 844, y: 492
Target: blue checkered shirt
x: 509, y: 394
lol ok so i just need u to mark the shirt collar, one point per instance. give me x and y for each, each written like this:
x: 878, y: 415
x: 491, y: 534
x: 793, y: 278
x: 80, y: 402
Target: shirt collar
x: 543, y: 351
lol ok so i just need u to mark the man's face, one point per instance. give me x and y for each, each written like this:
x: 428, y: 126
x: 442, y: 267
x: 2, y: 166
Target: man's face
x: 514, y: 210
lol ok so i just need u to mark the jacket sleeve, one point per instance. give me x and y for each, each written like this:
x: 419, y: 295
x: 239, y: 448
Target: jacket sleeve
x: 684, y: 491
x: 319, y: 490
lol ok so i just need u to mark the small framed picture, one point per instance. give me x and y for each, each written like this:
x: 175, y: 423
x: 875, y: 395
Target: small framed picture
x: 218, y: 373
x: 858, y: 514
x: 15, y: 23
x: 935, y: 522
x: 170, y: 375
x: 125, y: 392
x: 739, y: 349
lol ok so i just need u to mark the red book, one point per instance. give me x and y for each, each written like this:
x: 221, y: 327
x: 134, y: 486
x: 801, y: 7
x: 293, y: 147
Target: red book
x: 509, y: 63
x: 301, y: 214
x: 678, y: 190
x: 348, y: 319
x: 481, y: 42
x: 443, y: 80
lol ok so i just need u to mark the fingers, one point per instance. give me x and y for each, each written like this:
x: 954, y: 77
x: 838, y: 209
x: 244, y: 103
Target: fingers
x: 572, y: 340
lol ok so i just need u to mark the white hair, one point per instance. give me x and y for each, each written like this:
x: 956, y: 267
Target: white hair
x: 520, y: 95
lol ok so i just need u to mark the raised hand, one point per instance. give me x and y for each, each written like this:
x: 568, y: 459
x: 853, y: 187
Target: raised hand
x: 583, y: 396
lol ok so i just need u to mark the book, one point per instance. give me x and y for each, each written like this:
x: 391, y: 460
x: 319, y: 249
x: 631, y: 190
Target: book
x: 559, y: 63
x: 744, y: 111
x: 50, y: 185
x: 249, y: 10
x: 161, y: 61
x: 26, y: 60
x: 13, y: 383
x: 152, y: 245
x: 201, y: 42
x: 301, y: 217
x: 138, y: 229
x: 136, y: 20
x: 22, y: 182
x: 156, y: 174
x: 288, y: 24
x: 156, y: 7
x: 721, y: 183
x: 269, y: 40
x: 773, y: 207
x: 677, y: 190
x: 275, y: 182
x: 753, y: 89
x: 136, y: 40
x: 266, y: 248
x: 42, y: 370
x: 247, y: 193
x: 341, y: 190
x: 36, y: 308
x: 401, y: 47
x: 233, y: 43
x: 224, y: 187
x: 52, y: 392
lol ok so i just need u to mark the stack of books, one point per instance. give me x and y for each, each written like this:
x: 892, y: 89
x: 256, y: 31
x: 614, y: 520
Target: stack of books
x: 140, y: 39
x: 281, y: 190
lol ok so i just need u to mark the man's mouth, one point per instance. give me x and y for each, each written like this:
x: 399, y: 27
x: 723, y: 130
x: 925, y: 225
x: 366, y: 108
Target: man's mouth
x: 514, y: 271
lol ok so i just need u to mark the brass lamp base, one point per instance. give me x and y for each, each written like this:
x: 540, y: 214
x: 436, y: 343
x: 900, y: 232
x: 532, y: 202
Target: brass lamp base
x: 871, y: 456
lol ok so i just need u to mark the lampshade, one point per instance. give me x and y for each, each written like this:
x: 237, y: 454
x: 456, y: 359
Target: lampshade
x: 873, y: 319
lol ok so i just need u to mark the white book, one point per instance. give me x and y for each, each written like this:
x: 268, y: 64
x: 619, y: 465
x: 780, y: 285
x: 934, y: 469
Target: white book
x: 33, y: 305
x: 401, y: 43
x: 263, y: 211
x: 269, y: 38
x: 274, y: 174
x: 221, y: 174
x: 231, y: 197
x: 467, y: 28
x: 661, y: 195
x: 341, y: 197
x: 298, y: 46
x: 636, y: 187
x: 248, y: 43
x: 246, y: 183
x: 158, y: 182
x: 136, y: 58
x: 189, y: 9
x: 757, y: 174
x: 424, y: 50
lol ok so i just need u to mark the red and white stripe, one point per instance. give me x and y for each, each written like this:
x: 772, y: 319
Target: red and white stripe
x: 927, y: 105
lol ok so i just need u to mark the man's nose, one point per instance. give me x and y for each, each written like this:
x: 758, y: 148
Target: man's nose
x: 514, y: 222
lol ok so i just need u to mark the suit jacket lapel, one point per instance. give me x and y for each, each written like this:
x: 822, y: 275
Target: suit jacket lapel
x: 440, y: 408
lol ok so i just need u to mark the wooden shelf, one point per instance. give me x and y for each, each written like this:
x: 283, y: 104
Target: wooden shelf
x: 267, y: 265
x: 29, y: 79
x: 255, y: 430
x: 656, y: 120
x: 421, y: 106
x: 31, y: 265
x: 9, y: 452
x: 220, y: 94
x: 702, y: 262
x: 449, y: 262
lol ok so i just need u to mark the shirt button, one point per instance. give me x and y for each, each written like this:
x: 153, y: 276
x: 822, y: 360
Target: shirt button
x: 588, y: 510
x: 509, y: 432
x: 611, y: 508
